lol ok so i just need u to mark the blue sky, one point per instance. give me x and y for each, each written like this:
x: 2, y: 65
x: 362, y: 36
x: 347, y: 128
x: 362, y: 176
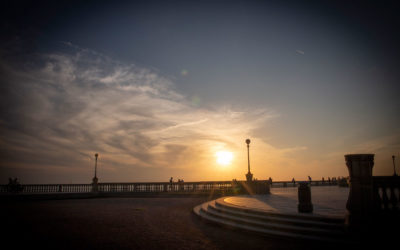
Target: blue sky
x: 157, y: 87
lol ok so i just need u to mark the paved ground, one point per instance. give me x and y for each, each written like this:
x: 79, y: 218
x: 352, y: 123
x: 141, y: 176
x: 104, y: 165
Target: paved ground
x: 327, y: 201
x: 128, y: 223
x: 123, y: 223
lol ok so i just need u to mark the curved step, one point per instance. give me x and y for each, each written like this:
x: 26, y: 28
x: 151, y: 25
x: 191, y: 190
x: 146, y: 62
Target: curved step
x: 308, y: 217
x: 283, y: 227
x: 204, y: 215
x: 274, y: 225
x: 301, y: 222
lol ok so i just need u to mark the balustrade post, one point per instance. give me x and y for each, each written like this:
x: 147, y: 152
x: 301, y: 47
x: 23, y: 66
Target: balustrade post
x: 393, y: 199
x: 360, y: 201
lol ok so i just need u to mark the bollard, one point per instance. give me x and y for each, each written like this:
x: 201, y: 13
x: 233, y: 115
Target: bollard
x: 304, y: 194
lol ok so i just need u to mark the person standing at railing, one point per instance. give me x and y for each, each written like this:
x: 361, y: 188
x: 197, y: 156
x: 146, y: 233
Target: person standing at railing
x: 14, y: 186
x: 181, y: 186
x: 170, y: 182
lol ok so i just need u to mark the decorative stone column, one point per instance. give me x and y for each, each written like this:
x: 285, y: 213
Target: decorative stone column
x: 304, y: 195
x: 360, y: 201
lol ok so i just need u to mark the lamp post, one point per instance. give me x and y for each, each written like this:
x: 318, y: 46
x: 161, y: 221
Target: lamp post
x: 249, y: 175
x: 394, y: 166
x: 95, y: 180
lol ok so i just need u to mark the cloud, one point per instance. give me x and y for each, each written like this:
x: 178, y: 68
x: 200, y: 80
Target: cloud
x: 57, y: 113
x: 300, y: 52
x: 379, y: 144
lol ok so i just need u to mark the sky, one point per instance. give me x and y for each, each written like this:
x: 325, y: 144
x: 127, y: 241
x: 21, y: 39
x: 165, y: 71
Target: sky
x: 159, y: 88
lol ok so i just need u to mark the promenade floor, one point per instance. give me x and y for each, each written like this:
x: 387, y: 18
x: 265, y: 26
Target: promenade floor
x: 123, y: 223
x: 134, y: 223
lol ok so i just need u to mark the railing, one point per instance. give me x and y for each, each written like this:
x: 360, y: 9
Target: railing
x: 152, y: 187
x: 166, y: 187
x: 386, y: 193
x: 276, y: 184
x: 140, y: 187
x: 47, y: 188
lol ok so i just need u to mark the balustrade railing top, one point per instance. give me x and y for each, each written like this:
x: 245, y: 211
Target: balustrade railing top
x: 296, y: 183
x: 134, y: 187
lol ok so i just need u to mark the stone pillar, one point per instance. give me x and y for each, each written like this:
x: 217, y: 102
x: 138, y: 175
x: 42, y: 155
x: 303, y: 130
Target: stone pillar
x: 360, y: 202
x: 304, y: 195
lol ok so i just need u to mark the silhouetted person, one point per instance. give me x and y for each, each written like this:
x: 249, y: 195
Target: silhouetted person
x: 293, y: 180
x: 14, y: 186
x: 270, y: 180
x: 309, y: 178
x: 12, y: 181
x: 180, y: 183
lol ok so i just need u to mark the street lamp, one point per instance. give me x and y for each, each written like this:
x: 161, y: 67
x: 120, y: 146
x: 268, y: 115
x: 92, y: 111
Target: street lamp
x: 95, y: 180
x: 249, y: 175
x: 394, y: 166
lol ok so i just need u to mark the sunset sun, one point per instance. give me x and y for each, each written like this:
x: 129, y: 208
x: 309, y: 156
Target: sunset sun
x: 224, y: 157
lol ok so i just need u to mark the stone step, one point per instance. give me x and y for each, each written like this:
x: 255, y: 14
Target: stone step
x: 301, y: 222
x: 259, y: 230
x: 307, y: 217
x: 277, y: 228
x: 273, y: 225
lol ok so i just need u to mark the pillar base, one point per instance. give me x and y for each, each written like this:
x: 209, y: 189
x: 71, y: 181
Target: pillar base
x: 305, y: 208
x: 249, y: 177
x: 95, y: 186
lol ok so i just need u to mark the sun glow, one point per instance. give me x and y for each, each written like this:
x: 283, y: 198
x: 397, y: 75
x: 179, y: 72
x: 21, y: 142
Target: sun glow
x: 224, y: 157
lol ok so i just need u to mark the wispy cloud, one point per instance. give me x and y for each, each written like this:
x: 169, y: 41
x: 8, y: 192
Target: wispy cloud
x: 300, y: 52
x: 58, y: 113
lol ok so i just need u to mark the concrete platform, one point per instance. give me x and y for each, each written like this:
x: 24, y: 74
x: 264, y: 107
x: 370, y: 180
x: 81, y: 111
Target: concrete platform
x: 276, y: 214
x: 329, y: 201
